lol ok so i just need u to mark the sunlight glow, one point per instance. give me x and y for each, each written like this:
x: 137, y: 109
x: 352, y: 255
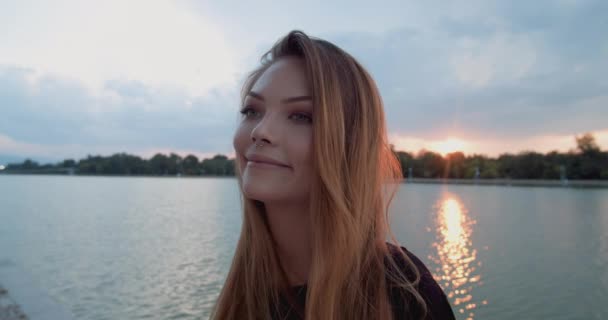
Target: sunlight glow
x: 487, y: 145
x: 456, y: 257
x: 449, y: 145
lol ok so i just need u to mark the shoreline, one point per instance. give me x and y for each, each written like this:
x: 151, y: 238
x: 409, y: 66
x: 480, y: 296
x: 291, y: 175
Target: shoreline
x: 481, y: 182
x: 21, y: 297
x: 513, y: 182
x: 9, y: 309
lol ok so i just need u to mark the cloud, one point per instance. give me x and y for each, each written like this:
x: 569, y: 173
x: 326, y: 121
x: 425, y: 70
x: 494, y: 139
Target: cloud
x: 504, y: 58
x: 516, y: 73
x: 165, y: 78
x: 152, y: 41
x: 54, y: 115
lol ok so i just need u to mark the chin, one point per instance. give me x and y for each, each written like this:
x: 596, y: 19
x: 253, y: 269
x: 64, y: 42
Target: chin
x: 257, y: 193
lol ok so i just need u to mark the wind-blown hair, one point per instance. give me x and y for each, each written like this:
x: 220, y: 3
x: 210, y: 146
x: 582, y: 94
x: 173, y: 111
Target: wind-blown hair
x: 357, y: 175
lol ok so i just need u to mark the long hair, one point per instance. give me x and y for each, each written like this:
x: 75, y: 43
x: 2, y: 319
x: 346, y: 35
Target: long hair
x: 357, y: 175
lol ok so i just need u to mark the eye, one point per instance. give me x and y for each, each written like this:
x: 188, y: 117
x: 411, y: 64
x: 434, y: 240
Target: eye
x: 302, y: 117
x: 248, y: 111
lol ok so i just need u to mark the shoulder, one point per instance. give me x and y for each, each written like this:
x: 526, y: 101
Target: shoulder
x: 437, y: 303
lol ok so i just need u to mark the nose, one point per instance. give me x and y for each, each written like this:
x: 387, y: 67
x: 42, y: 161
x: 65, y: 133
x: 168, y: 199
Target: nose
x: 263, y: 131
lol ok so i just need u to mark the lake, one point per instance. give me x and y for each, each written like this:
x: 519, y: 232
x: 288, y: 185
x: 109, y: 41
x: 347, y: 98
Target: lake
x: 159, y: 248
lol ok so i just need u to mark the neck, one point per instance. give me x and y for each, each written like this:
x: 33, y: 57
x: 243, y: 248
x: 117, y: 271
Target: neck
x: 290, y: 227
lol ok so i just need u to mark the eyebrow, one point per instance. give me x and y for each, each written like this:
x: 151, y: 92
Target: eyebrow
x: 285, y: 101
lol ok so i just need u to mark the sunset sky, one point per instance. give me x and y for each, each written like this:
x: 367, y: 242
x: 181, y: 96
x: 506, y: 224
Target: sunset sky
x: 100, y: 77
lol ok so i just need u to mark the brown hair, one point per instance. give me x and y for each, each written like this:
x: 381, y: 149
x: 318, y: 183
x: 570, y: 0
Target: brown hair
x: 357, y: 177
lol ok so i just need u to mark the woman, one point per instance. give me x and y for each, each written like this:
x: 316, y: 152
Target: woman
x: 317, y: 175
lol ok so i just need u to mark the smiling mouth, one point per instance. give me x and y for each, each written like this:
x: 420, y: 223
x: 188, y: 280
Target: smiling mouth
x: 256, y: 164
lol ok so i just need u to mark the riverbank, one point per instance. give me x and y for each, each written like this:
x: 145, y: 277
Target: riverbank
x: 9, y: 310
x: 22, y: 298
x: 518, y: 182
x: 488, y: 182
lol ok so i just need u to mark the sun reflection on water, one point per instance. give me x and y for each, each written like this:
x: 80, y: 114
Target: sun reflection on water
x: 455, y: 256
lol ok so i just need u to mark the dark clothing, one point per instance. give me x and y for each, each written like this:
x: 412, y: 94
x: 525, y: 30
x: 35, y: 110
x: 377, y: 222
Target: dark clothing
x: 438, y: 307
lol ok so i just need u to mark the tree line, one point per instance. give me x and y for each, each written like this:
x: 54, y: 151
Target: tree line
x: 132, y: 165
x: 587, y: 161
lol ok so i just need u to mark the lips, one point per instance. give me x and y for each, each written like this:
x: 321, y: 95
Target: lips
x: 258, y: 158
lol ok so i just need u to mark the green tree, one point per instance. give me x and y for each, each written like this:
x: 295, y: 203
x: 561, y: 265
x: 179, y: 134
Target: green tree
x: 159, y: 164
x: 591, y: 162
x: 406, y: 160
x: 430, y: 165
x: 175, y: 164
x: 219, y: 165
x: 489, y: 170
x: 586, y: 143
x: 554, y: 161
x: 455, y: 165
x: 68, y: 163
x: 190, y: 165
x: 29, y: 164
x: 230, y: 167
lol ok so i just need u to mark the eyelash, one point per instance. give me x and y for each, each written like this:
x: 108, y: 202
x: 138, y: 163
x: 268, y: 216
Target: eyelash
x: 245, y: 112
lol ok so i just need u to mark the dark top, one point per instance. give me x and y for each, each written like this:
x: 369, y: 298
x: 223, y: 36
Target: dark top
x: 438, y: 307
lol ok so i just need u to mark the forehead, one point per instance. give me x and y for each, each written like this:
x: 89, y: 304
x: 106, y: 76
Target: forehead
x: 286, y: 77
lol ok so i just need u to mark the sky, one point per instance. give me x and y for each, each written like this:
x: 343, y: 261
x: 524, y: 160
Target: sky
x: 141, y: 77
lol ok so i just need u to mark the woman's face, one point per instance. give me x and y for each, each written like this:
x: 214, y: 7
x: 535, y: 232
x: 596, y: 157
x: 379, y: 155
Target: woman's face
x: 277, y: 114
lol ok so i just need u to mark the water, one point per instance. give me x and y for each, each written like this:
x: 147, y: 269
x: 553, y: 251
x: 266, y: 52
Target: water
x: 159, y: 248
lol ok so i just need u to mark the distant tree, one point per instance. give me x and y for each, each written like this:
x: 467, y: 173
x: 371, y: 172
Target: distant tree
x: 68, y: 163
x: 554, y: 162
x: 586, y: 143
x: 94, y: 165
x: 175, y: 164
x: 136, y: 165
x: 506, y: 165
x: 190, y: 165
x: 587, y: 161
x: 159, y: 164
x: 230, y: 169
x: 406, y: 160
x: 430, y: 165
x: 219, y: 165
x: 529, y: 165
x: 487, y: 168
x: 29, y: 164
x: 455, y: 165
x: 591, y: 162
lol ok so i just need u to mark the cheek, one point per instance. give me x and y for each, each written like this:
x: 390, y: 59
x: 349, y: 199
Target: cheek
x: 302, y: 152
x: 240, y: 141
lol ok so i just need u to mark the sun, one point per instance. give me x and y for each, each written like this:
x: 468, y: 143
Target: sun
x: 449, y: 145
